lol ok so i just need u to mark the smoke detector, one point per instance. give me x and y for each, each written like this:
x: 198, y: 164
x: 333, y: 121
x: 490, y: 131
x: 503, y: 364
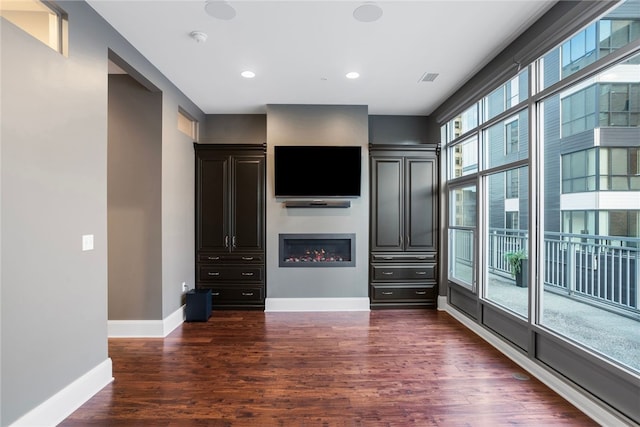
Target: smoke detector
x: 199, y: 36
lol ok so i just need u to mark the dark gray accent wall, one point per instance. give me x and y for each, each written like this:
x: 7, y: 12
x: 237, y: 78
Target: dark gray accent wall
x: 134, y: 161
x: 235, y: 129
x: 317, y: 125
x: 53, y: 177
x: 399, y: 130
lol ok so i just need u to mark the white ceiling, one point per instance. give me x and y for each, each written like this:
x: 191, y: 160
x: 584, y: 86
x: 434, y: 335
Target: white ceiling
x: 301, y: 50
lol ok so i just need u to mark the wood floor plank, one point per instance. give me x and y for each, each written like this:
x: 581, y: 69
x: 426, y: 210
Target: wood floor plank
x: 383, y: 368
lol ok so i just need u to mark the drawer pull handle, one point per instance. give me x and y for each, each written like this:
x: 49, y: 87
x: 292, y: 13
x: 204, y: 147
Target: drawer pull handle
x: 421, y: 273
x: 247, y: 274
x: 213, y: 258
x: 213, y: 273
x: 387, y: 257
x: 215, y: 294
x: 247, y: 258
x: 421, y: 292
x: 387, y: 293
x: 388, y: 273
x: 247, y: 294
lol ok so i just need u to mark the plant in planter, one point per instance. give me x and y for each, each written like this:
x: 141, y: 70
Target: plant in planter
x: 517, y: 261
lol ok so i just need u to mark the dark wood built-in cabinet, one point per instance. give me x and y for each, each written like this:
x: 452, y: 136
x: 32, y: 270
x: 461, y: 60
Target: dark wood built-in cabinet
x: 404, y: 226
x: 230, y: 223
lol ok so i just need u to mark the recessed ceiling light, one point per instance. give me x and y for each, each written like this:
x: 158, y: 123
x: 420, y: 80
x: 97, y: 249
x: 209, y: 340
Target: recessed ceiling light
x: 368, y: 12
x: 220, y: 9
x: 248, y: 74
x: 353, y: 75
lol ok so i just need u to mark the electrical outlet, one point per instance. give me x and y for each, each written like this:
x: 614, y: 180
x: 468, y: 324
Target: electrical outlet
x: 185, y: 287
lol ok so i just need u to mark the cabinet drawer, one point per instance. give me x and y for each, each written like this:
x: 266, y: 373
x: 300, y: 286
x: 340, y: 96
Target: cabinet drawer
x: 427, y: 292
x: 391, y: 257
x: 238, y: 294
x: 257, y: 258
x: 403, y: 272
x: 215, y: 273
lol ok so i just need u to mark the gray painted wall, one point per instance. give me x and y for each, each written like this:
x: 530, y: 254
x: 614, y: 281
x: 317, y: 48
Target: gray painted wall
x: 235, y: 129
x: 400, y: 130
x: 317, y: 125
x: 53, y: 172
x: 134, y: 161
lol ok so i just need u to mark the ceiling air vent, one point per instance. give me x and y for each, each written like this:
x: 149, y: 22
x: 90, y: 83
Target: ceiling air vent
x: 428, y: 77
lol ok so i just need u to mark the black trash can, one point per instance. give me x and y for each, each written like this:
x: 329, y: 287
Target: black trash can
x: 198, y: 305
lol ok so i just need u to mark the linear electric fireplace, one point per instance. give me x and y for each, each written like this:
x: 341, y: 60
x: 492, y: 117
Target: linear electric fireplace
x: 317, y: 250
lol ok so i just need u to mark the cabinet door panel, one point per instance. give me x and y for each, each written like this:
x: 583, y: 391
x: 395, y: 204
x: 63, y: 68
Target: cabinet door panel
x: 248, y: 204
x: 386, y: 204
x: 213, y: 218
x: 421, y: 194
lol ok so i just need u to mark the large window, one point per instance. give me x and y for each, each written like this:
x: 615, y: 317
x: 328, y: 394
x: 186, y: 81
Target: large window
x: 463, y: 158
x: 591, y: 243
x: 564, y: 260
x: 506, y: 243
x: 462, y: 229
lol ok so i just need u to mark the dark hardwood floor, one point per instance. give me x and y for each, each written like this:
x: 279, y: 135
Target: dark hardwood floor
x: 383, y: 368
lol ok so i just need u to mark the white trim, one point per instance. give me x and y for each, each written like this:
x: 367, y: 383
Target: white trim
x: 317, y: 304
x: 600, y: 200
x: 512, y: 204
x: 173, y: 320
x: 145, y: 328
x: 596, y: 410
x: 62, y: 404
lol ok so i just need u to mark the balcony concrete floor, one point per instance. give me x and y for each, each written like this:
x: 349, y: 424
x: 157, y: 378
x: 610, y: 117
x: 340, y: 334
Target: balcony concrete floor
x: 614, y: 335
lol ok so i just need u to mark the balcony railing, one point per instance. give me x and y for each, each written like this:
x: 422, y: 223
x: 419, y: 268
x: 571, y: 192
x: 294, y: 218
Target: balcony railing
x: 605, y: 269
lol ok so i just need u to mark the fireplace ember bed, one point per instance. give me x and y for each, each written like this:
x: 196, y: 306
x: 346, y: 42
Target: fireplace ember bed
x: 317, y: 250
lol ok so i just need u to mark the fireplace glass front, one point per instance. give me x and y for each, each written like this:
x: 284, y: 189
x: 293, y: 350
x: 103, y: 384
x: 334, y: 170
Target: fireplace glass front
x: 317, y: 250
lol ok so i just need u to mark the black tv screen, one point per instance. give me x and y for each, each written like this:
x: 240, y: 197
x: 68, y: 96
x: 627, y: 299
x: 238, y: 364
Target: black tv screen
x: 317, y: 171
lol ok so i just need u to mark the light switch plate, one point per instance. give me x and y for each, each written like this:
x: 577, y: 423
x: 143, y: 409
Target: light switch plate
x: 87, y: 242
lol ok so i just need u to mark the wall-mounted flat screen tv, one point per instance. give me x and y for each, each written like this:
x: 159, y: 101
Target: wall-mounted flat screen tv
x: 317, y: 171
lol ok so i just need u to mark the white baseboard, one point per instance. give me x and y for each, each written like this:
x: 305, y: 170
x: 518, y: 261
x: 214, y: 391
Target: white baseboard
x: 62, y: 404
x: 316, y: 304
x: 596, y: 410
x: 145, y: 328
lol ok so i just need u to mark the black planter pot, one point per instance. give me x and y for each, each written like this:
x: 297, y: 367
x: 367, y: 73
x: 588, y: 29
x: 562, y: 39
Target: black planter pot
x: 522, y: 277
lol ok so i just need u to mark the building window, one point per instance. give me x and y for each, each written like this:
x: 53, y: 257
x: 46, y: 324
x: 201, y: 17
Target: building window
x: 41, y: 20
x: 616, y: 33
x: 579, y: 111
x: 579, y: 171
x: 620, y: 104
x: 620, y: 169
x: 511, y: 220
x: 511, y: 130
x: 512, y: 183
